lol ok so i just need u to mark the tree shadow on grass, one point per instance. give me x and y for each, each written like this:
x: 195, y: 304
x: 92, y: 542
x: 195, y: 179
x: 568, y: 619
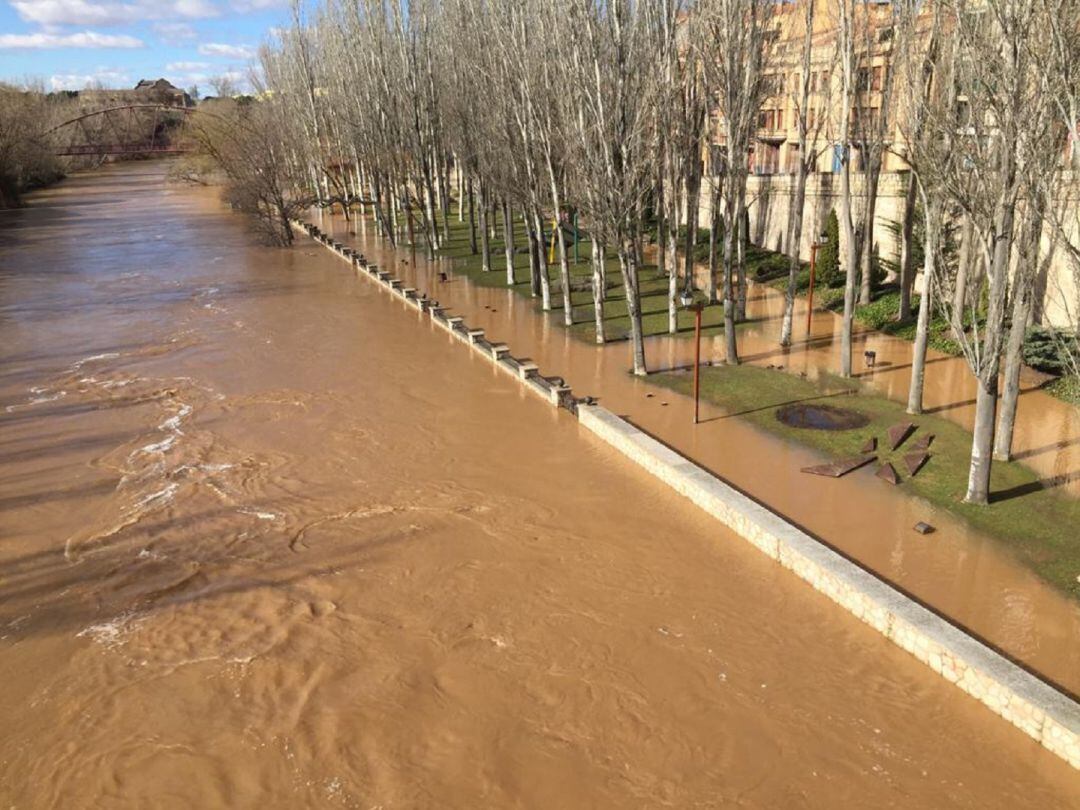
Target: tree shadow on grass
x: 1035, y: 486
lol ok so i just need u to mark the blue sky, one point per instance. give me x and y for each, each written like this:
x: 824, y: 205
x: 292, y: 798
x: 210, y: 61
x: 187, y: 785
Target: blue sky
x: 67, y: 44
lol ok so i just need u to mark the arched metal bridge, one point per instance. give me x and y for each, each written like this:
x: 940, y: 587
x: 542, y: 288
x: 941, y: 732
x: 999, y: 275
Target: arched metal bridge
x: 125, y: 129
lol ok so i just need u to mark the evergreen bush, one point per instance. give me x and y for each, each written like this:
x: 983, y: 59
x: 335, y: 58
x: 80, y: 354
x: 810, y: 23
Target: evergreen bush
x: 828, y: 255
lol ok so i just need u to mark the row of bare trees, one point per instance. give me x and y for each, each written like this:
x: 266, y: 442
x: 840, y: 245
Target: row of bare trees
x: 519, y: 111
x: 523, y: 111
x: 990, y: 140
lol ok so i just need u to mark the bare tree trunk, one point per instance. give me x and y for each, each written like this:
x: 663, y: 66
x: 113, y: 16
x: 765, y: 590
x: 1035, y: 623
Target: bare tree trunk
x: 907, y: 270
x: 794, y: 243
x: 545, y: 281
x: 660, y: 201
x: 851, y: 270
x: 485, y: 239
x: 922, y: 329
x: 730, y: 235
x: 472, y: 219
x: 978, y: 490
x: 963, y: 269
x: 871, y: 177
x: 461, y: 192
x: 564, y: 274
x: 444, y: 200
x: 693, y: 201
x: 535, y: 249
x: 672, y: 259
x: 1014, y: 360
x: 628, y: 265
x: 508, y: 239
x: 598, y: 282
x: 740, y: 260
x: 714, y: 242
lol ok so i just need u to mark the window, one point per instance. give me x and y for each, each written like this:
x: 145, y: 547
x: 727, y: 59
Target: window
x: 765, y: 158
x: 792, y: 158
x: 877, y: 78
x: 862, y: 79
x: 718, y: 159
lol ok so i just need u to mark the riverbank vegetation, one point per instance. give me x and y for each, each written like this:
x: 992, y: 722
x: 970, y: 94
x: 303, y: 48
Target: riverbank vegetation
x: 600, y: 114
x: 26, y: 161
x: 1026, y: 514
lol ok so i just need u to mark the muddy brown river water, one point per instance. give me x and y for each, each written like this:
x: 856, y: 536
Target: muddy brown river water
x: 268, y: 539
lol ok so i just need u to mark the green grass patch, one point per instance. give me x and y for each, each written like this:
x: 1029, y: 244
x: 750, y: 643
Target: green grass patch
x: 653, y: 285
x: 1037, y: 524
x: 1066, y: 389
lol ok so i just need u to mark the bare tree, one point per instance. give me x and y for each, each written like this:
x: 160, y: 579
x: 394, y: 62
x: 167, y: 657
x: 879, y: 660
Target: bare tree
x: 737, y: 41
x: 810, y: 101
x: 615, y: 105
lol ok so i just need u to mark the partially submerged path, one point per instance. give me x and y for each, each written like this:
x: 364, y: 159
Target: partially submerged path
x: 958, y: 571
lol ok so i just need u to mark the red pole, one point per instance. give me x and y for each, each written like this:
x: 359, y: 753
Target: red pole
x: 810, y: 298
x: 697, y: 360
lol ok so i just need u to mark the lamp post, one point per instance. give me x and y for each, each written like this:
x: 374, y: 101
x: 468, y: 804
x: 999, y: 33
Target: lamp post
x: 820, y: 242
x: 687, y: 300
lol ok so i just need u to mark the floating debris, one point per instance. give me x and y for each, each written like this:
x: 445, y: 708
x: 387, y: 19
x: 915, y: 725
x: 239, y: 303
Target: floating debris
x: 924, y: 528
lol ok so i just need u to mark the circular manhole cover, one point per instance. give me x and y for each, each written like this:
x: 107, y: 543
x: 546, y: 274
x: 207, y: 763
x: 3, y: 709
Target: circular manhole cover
x: 821, y: 417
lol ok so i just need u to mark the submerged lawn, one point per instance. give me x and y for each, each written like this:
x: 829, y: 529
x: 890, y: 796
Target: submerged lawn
x: 1041, y: 526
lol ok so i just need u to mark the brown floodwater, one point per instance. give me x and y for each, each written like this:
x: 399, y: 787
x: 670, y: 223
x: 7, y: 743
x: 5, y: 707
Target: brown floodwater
x: 956, y: 570
x: 270, y: 539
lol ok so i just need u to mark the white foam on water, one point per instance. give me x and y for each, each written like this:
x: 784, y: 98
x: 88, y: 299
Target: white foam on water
x: 111, y: 633
x: 94, y: 358
x: 158, y: 447
x: 47, y: 398
x: 162, y: 496
x: 260, y: 515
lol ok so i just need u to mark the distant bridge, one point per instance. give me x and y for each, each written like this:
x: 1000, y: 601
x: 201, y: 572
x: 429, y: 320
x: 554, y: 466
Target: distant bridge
x: 127, y: 129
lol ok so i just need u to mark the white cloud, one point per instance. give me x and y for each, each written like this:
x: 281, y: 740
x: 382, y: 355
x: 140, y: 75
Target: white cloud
x: 85, y: 39
x: 229, y: 51
x: 256, y: 5
x: 173, y: 33
x: 77, y: 81
x: 186, y: 67
x: 109, y: 12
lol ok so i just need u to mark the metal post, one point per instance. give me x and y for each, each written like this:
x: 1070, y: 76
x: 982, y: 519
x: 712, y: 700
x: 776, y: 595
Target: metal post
x: 697, y: 360
x: 810, y: 297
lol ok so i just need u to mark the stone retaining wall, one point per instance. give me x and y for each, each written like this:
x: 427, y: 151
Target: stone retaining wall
x: 1033, y: 706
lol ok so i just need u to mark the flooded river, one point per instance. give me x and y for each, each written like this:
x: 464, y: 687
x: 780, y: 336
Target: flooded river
x: 958, y: 571
x: 269, y: 539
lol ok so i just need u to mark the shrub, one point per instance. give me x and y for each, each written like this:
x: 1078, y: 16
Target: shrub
x: 828, y: 255
x: 1051, y: 350
x: 768, y: 267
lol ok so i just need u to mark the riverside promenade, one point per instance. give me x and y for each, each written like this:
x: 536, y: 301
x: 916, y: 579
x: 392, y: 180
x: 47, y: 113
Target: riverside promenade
x: 957, y: 571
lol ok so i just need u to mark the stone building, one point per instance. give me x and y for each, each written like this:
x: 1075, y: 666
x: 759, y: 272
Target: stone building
x: 775, y: 153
